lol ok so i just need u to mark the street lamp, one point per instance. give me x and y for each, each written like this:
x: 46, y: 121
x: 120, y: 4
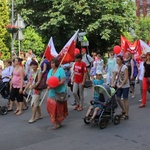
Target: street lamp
x: 12, y: 22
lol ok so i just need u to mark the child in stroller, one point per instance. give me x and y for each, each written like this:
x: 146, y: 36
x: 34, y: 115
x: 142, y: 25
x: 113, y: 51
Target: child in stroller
x: 107, y: 106
x: 97, y: 106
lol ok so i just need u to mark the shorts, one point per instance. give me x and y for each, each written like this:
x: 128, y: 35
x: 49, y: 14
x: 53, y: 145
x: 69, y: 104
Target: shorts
x: 15, y: 95
x: 124, y: 92
x: 35, y: 100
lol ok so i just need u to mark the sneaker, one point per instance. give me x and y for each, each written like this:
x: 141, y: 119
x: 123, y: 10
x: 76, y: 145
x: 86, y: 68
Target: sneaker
x: 74, y: 103
x: 140, y: 100
x: 133, y: 96
x: 76, y: 107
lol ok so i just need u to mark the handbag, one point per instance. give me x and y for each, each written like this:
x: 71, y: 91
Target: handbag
x: 88, y: 83
x: 42, y: 85
x: 117, y: 78
x: 61, y: 97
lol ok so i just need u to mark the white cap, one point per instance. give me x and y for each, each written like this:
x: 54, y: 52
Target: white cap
x: 98, y: 72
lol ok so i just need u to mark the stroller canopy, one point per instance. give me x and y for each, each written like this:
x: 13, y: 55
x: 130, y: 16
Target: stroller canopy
x: 104, y: 89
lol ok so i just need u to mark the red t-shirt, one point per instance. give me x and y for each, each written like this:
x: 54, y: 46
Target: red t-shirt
x: 79, y: 70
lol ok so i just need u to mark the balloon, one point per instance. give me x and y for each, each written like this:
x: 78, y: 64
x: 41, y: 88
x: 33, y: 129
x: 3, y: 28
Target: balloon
x: 117, y: 49
x: 53, y: 81
x: 77, y: 51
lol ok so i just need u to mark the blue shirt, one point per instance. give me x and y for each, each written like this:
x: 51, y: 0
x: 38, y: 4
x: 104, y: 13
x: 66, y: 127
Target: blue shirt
x: 97, y: 82
x: 60, y: 74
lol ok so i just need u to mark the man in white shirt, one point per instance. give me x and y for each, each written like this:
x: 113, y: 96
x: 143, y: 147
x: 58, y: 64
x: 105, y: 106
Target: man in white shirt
x: 88, y: 60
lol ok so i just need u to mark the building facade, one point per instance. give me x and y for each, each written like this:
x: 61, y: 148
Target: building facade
x: 143, y: 7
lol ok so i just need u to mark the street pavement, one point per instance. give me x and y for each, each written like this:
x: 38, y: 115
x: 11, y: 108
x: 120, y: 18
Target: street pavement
x: 133, y: 134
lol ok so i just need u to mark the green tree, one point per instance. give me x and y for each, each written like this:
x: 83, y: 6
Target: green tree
x: 103, y: 20
x: 4, y: 35
x: 143, y: 30
x: 33, y: 41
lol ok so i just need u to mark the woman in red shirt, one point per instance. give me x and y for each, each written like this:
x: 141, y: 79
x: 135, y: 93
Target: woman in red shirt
x: 80, y: 72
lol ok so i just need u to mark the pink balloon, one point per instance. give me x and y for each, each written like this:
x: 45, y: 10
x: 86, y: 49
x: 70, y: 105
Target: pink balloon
x: 117, y: 49
x: 53, y: 81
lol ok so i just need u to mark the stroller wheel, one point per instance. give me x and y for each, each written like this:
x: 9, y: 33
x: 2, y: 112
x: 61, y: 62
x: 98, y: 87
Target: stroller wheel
x: 116, y: 120
x: 86, y: 120
x: 3, y: 110
x: 102, y: 124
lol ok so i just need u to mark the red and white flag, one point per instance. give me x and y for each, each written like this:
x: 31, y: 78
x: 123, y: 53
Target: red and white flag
x: 66, y: 55
x: 50, y: 51
x: 145, y: 47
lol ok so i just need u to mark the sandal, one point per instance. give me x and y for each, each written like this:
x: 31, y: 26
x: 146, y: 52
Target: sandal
x: 19, y: 113
x: 16, y: 111
x: 79, y: 108
x: 25, y: 108
x: 57, y: 126
x: 126, y: 117
x: 122, y: 113
x: 91, y: 119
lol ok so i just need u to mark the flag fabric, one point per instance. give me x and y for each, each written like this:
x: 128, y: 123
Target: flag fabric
x: 66, y: 55
x: 145, y: 47
x: 124, y: 41
x: 149, y: 42
x: 133, y: 48
x: 50, y: 51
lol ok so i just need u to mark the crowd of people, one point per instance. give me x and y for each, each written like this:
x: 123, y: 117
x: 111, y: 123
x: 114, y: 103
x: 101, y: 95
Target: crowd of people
x: 21, y: 76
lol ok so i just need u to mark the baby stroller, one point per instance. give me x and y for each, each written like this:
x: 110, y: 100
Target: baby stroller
x: 109, y: 104
x: 4, y: 91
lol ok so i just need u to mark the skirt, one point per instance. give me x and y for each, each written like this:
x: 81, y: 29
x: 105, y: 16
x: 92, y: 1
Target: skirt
x: 57, y: 111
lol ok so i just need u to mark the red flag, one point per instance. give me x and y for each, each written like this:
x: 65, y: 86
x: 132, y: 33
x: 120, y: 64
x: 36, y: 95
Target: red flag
x: 66, y: 55
x: 50, y: 51
x: 149, y: 42
x: 123, y: 41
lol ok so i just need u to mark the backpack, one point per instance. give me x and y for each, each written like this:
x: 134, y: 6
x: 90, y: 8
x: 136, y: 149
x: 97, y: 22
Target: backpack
x: 88, y: 60
x: 135, y: 73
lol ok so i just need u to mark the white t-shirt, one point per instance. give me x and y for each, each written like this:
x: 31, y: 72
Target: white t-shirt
x: 121, y: 76
x: 141, y: 69
x: 99, y: 65
x: 87, y: 58
x: 7, y: 72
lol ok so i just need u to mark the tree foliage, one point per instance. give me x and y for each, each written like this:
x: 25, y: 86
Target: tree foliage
x: 143, y: 30
x: 103, y: 20
x: 33, y: 41
x: 4, y: 35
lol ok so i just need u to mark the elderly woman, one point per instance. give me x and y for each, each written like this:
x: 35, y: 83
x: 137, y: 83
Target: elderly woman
x: 121, y: 80
x: 6, y: 76
x: 57, y: 111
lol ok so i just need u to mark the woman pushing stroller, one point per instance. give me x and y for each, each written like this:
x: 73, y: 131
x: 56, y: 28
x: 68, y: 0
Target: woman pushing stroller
x: 98, y: 81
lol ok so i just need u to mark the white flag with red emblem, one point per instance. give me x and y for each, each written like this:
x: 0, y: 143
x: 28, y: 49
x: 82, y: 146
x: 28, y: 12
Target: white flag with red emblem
x: 50, y: 51
x: 66, y: 55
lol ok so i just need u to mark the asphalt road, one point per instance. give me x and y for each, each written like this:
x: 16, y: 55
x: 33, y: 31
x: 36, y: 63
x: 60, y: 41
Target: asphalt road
x: 132, y: 134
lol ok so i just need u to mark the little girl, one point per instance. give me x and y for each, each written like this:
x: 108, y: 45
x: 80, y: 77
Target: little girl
x: 98, y: 81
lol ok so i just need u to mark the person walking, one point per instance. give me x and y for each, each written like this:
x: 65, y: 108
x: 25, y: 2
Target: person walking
x: 80, y: 72
x: 34, y: 80
x: 121, y: 80
x: 146, y: 80
x: 141, y: 73
x: 57, y: 111
x: 111, y: 64
x: 16, y: 86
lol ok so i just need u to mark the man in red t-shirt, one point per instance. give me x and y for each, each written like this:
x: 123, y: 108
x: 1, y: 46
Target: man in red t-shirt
x: 80, y: 71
